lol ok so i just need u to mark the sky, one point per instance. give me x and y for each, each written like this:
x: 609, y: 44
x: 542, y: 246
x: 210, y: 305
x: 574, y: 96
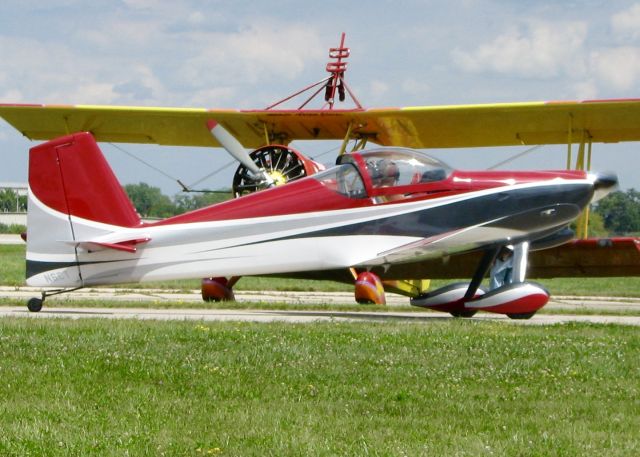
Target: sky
x: 249, y: 54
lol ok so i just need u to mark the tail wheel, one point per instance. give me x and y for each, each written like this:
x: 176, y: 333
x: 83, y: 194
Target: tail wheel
x: 282, y: 163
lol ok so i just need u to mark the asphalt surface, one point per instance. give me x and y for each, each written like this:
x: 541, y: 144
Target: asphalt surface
x: 63, y: 306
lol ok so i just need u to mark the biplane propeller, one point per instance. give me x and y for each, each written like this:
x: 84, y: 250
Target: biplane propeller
x: 382, y: 218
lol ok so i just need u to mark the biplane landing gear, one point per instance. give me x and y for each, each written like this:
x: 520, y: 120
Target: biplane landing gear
x: 369, y: 289
x: 218, y: 289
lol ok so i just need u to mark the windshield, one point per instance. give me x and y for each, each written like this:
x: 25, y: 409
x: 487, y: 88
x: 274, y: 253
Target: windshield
x: 391, y: 167
x: 343, y: 179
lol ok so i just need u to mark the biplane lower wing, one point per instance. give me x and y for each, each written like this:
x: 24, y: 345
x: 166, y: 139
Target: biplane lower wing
x: 502, y: 124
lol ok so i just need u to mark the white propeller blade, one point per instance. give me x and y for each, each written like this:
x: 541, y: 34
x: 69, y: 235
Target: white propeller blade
x: 233, y: 147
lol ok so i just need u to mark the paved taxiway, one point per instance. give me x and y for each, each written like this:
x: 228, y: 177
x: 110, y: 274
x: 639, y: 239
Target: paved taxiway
x: 64, y: 307
x: 295, y: 316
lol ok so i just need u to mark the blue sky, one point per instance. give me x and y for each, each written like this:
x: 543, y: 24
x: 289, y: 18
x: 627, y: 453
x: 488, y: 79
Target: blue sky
x: 237, y: 54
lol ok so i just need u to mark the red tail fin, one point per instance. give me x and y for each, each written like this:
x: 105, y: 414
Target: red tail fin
x: 70, y: 175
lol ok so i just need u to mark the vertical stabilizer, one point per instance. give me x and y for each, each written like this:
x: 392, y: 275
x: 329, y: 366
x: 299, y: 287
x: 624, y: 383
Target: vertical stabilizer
x: 70, y: 175
x: 73, y: 195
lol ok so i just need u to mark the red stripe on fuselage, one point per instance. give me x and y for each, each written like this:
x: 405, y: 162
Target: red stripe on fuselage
x: 309, y: 195
x: 303, y: 196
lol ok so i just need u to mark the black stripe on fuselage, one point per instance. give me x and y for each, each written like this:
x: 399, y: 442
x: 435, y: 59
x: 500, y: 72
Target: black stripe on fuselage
x: 36, y: 267
x: 516, y: 209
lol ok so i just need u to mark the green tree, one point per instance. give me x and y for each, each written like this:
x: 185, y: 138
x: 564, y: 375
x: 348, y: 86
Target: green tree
x: 595, y: 228
x: 189, y: 202
x: 11, y: 202
x: 620, y: 212
x: 150, y: 201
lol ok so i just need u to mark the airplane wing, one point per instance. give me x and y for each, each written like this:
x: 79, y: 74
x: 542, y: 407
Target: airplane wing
x: 503, y: 124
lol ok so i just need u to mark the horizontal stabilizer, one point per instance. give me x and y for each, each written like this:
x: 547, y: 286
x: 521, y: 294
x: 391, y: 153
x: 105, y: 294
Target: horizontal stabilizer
x: 129, y: 245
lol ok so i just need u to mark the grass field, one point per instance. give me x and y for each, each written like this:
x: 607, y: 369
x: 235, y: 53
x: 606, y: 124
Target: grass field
x: 12, y: 274
x: 98, y: 388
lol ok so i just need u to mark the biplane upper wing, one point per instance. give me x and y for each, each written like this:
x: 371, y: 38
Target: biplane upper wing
x: 502, y: 124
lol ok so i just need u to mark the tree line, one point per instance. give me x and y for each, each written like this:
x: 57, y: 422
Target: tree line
x: 152, y: 203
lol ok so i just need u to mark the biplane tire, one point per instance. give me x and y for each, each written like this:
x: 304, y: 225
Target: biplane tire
x: 464, y: 313
x: 34, y: 304
x: 520, y: 316
x: 369, y: 289
x: 216, y: 289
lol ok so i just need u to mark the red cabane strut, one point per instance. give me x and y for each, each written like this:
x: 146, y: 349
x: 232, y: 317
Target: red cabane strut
x: 332, y: 84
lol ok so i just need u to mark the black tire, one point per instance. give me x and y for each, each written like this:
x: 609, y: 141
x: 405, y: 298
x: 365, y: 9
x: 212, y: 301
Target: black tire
x: 465, y: 313
x: 520, y: 316
x: 34, y: 304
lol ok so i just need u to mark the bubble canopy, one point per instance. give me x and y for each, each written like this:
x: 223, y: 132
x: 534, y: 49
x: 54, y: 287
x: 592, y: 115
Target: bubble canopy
x: 388, y: 167
x: 382, y: 168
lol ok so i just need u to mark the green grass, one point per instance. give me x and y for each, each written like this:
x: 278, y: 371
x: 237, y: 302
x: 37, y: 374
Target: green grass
x: 12, y: 265
x: 103, y: 388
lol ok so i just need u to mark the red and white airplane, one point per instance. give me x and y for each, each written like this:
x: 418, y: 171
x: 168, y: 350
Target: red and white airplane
x: 374, y: 208
x: 385, y: 213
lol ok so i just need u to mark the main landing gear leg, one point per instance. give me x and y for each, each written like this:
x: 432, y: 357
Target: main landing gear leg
x: 484, y: 266
x: 519, y: 299
x: 35, y: 304
x: 452, y: 298
x: 520, y: 258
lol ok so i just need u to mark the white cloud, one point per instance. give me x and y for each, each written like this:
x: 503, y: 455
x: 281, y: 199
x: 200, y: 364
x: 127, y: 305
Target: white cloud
x: 142, y: 4
x: 122, y: 34
x: 54, y: 73
x: 416, y: 88
x: 538, y: 49
x: 196, y: 18
x: 626, y: 23
x: 585, y: 90
x: 98, y: 93
x: 378, y: 88
x: 12, y: 95
x: 213, y: 97
x: 259, y: 53
x: 617, y: 67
